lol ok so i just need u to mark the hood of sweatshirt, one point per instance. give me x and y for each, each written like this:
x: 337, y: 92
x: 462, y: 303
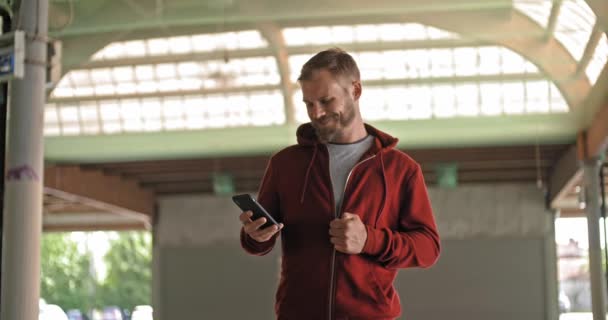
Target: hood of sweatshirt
x: 307, y: 137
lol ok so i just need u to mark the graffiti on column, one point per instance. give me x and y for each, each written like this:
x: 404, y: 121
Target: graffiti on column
x: 21, y: 173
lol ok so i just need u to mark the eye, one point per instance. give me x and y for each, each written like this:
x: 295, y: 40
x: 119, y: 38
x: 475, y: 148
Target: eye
x: 326, y: 100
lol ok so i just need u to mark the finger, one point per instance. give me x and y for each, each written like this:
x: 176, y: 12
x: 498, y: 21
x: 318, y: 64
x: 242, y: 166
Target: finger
x: 255, y: 225
x: 336, y: 224
x: 341, y: 248
x: 267, y: 232
x: 338, y: 241
x: 334, y: 232
x: 245, y: 217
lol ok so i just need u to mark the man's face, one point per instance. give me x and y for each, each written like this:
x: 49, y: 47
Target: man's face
x: 330, y: 104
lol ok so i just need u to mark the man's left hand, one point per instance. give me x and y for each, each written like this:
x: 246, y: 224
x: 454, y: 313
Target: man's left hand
x: 348, y: 234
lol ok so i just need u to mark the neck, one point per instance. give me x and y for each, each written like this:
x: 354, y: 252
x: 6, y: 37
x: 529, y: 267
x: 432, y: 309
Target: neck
x: 355, y: 133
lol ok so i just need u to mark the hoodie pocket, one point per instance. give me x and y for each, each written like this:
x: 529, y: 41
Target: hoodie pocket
x: 376, y: 285
x: 364, y: 289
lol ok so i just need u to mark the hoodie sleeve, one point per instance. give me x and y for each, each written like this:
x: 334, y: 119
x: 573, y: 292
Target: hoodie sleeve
x: 269, y: 199
x: 416, y: 242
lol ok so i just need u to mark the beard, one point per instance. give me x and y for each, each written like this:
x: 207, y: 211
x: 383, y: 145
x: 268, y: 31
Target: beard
x: 331, y: 126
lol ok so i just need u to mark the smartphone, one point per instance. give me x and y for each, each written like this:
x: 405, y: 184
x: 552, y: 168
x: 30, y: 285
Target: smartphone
x: 247, y: 203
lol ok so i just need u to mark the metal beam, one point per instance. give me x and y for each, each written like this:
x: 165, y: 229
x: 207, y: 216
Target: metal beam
x: 274, y: 36
x: 97, y: 190
x: 430, y: 133
x: 596, y: 275
x: 202, y: 13
x: 100, y: 227
x: 88, y: 221
x: 555, y: 9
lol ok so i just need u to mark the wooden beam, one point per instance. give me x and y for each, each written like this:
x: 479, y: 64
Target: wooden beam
x: 600, y: 8
x: 93, y: 188
x: 555, y: 9
x: 274, y: 35
x: 594, y: 40
x: 596, y: 132
x: 564, y: 176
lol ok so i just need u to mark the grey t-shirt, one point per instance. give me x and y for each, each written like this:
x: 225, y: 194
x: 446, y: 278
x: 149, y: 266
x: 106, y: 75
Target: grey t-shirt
x: 342, y: 158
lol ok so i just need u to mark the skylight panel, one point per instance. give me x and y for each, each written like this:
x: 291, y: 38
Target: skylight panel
x: 444, y: 101
x: 491, y: 96
x: 248, y: 39
x: 514, y: 95
x: 598, y: 61
x: 537, y: 10
x: 362, y: 33
x: 537, y: 96
x: 574, y: 25
x: 467, y: 100
x: 180, y: 45
x: 135, y: 48
x: 144, y: 72
x: 50, y: 114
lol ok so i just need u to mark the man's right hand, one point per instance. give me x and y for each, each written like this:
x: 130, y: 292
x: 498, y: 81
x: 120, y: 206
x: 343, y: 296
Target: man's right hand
x: 252, y: 228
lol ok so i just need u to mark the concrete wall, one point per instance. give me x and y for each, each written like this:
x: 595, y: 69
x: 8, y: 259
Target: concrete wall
x: 497, y: 262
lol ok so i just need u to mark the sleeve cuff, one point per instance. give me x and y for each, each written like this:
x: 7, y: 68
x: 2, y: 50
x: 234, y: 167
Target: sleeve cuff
x: 254, y: 247
x: 375, y: 243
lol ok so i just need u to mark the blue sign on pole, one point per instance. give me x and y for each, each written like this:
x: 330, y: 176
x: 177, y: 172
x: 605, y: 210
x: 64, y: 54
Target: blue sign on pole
x: 7, y: 64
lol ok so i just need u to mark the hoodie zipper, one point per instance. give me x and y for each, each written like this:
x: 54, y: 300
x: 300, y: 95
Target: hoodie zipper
x: 332, y: 280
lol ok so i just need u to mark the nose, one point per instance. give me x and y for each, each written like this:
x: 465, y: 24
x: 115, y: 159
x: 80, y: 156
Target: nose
x: 316, y: 111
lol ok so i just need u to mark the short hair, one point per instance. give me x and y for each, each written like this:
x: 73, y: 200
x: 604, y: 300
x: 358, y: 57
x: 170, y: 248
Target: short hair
x: 335, y: 60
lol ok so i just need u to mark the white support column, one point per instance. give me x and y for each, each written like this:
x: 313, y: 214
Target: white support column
x: 597, y: 278
x: 156, y: 267
x: 23, y: 197
x: 552, y: 279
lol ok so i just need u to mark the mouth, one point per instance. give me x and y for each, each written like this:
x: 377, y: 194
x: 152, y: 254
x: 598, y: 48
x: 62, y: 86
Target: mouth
x: 324, y: 121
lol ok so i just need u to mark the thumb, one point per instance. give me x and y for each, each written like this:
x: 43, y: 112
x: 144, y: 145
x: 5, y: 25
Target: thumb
x: 349, y: 216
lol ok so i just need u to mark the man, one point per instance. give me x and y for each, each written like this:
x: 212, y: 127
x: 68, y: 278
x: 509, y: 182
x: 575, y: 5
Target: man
x: 353, y: 208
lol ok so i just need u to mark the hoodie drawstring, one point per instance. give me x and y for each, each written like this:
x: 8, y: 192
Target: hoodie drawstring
x: 312, y: 161
x: 385, y: 188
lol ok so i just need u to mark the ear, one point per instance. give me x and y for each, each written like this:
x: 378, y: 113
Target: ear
x: 357, y: 90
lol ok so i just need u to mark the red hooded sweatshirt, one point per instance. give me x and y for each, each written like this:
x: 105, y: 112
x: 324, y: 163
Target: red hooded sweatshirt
x: 386, y: 189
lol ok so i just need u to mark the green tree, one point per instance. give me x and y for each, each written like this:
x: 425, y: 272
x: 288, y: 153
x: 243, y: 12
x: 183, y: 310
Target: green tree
x: 129, y: 270
x: 65, y: 273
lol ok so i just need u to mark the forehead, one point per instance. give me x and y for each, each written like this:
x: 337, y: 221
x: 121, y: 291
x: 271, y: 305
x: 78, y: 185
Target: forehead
x: 321, y: 84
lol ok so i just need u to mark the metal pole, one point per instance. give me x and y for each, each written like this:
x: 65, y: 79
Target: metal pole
x: 23, y: 198
x: 592, y: 201
x: 6, y: 27
x: 603, y: 214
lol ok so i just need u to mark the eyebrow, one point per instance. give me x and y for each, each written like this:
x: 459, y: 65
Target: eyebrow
x: 321, y: 99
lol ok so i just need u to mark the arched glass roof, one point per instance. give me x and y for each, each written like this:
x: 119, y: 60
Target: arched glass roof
x: 574, y: 25
x: 410, y: 71
x: 248, y: 39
